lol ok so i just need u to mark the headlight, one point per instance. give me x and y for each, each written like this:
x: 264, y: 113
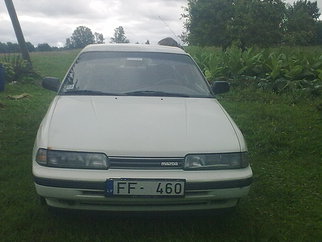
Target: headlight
x: 70, y: 159
x: 216, y: 161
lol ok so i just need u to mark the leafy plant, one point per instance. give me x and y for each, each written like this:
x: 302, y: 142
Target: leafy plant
x: 9, y: 72
x: 278, y: 69
x: 16, y: 68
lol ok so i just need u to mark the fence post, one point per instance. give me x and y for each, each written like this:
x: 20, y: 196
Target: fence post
x: 2, y: 81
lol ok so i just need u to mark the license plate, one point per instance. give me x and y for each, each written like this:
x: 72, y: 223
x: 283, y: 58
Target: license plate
x: 145, y: 187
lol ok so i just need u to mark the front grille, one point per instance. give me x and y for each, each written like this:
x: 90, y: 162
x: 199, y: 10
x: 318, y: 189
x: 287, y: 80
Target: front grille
x: 146, y: 163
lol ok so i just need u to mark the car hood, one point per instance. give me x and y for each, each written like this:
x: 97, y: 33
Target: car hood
x: 138, y: 126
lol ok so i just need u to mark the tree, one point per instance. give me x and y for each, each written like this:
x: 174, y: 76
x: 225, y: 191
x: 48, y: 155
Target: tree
x: 119, y: 36
x: 318, y: 39
x: 13, y: 47
x: 206, y: 21
x: 3, y: 48
x: 147, y: 42
x: 99, y: 38
x: 81, y: 37
x: 243, y: 22
x: 251, y: 22
x: 256, y: 22
x: 68, y: 44
x: 43, y: 47
x: 301, y: 23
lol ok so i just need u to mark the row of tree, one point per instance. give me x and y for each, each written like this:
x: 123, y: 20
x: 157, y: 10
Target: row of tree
x: 81, y: 37
x: 10, y: 47
x: 247, y: 23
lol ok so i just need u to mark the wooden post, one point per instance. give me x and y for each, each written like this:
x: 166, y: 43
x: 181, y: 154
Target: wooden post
x: 18, y: 31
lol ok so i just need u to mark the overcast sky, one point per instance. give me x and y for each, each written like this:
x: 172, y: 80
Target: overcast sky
x: 52, y: 21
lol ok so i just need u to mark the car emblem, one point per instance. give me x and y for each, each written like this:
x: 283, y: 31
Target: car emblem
x: 169, y: 163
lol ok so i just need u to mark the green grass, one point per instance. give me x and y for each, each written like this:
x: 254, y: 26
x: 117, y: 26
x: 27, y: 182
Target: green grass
x: 285, y: 143
x: 53, y: 63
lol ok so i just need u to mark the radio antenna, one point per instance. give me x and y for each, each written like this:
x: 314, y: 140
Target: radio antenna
x: 173, y: 33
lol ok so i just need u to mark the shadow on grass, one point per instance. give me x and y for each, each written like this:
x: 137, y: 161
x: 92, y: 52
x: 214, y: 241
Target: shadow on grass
x: 146, y: 226
x: 173, y: 216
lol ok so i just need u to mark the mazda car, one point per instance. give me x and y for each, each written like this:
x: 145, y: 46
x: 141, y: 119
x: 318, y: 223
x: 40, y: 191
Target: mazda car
x: 138, y: 128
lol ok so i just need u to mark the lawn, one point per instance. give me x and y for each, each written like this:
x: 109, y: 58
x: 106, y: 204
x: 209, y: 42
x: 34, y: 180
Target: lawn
x: 285, y: 203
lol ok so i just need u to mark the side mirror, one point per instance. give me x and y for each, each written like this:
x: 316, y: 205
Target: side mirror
x: 220, y: 87
x: 51, y: 83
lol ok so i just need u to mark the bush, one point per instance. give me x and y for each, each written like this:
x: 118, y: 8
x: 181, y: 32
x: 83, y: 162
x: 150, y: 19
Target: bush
x: 16, y: 69
x: 9, y: 73
x: 278, y: 69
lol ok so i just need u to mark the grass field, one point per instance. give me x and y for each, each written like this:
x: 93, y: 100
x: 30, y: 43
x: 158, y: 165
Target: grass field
x: 285, y: 202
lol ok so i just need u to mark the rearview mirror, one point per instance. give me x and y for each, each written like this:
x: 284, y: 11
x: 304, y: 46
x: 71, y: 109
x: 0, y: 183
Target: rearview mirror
x: 220, y: 87
x: 51, y: 83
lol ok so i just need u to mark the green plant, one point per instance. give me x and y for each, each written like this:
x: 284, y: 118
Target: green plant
x: 16, y: 68
x: 9, y: 72
x: 277, y: 69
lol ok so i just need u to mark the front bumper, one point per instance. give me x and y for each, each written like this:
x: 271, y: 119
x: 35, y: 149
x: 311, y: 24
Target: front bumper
x: 204, y: 189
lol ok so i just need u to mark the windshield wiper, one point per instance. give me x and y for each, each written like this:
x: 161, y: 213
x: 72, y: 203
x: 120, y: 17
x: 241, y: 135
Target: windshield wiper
x: 89, y: 93
x: 155, y: 93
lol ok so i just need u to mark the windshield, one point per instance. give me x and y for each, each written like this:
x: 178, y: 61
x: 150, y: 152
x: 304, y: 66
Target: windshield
x: 135, y: 74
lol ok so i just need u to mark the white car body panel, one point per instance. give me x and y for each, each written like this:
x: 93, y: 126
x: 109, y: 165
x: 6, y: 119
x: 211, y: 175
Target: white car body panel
x: 138, y: 126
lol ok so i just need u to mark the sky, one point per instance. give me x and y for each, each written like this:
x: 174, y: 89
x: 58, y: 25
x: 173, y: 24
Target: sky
x: 48, y: 21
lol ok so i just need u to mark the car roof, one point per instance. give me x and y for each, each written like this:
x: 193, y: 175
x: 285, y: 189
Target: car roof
x: 134, y: 48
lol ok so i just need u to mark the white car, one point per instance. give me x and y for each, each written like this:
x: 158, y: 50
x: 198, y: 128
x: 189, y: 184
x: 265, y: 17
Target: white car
x: 138, y: 128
